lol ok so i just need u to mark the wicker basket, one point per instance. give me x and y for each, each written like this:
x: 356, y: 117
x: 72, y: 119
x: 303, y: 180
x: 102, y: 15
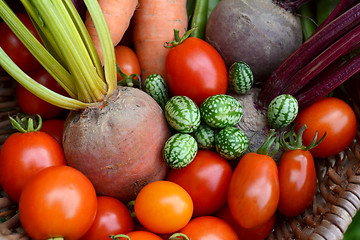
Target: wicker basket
x: 336, y: 202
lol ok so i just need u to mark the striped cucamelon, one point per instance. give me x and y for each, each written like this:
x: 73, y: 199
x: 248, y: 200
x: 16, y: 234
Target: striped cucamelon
x: 282, y: 111
x: 221, y: 111
x: 156, y: 87
x: 231, y: 143
x: 205, y: 137
x: 182, y: 114
x: 241, y: 77
x: 179, y: 150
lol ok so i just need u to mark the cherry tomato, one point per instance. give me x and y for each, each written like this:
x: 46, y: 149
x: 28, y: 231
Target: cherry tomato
x: 141, y: 235
x: 25, y: 154
x: 127, y: 60
x: 163, y: 207
x: 58, y: 201
x: 196, y: 70
x: 206, y: 179
x: 112, y: 217
x: 15, y: 49
x: 254, y: 190
x: 54, y: 127
x: 257, y: 233
x: 31, y: 104
x: 297, y: 178
x: 209, y: 227
x: 330, y: 115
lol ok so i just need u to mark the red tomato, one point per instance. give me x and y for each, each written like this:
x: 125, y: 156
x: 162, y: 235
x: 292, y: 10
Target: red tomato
x: 112, y: 217
x: 196, y: 70
x: 206, y: 179
x: 127, y: 60
x: 58, y: 201
x: 297, y: 178
x: 257, y: 233
x: 209, y: 228
x: 330, y: 115
x: 14, y: 48
x: 141, y: 235
x: 54, y: 127
x: 254, y: 190
x: 25, y: 154
x: 163, y: 207
x: 31, y: 104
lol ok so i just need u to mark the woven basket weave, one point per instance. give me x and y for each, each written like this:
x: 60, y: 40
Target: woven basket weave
x: 336, y: 202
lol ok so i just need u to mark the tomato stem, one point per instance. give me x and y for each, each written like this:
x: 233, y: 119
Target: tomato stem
x: 116, y: 237
x: 177, y: 40
x: 178, y: 236
x: 295, y: 140
x: 266, y: 146
x: 128, y: 80
x: 24, y: 123
x: 130, y: 205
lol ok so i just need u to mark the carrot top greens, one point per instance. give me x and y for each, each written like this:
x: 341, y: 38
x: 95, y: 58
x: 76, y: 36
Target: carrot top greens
x: 69, y: 54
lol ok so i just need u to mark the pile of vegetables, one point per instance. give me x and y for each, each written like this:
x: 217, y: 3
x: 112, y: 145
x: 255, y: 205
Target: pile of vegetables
x: 163, y: 119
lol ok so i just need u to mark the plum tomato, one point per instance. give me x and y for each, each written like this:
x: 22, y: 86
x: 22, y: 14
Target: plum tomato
x: 206, y: 179
x: 330, y: 115
x: 196, y: 70
x: 254, y: 190
x: 260, y: 232
x: 58, y: 201
x: 297, y: 179
x: 127, y: 60
x: 163, y: 207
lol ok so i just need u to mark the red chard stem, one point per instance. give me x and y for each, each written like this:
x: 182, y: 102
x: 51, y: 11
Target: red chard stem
x: 324, y: 59
x: 308, y: 51
x: 328, y: 82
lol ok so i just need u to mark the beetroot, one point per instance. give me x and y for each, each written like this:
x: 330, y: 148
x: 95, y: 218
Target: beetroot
x: 258, y: 32
x: 118, y: 143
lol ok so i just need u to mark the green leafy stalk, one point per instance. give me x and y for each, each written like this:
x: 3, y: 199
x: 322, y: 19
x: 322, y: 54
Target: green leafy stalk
x: 30, y: 84
x: 199, y: 19
x: 107, y: 47
x: 70, y: 56
x: 61, y: 75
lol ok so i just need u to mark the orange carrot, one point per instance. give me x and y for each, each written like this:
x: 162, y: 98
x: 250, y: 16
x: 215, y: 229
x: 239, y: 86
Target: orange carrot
x: 154, y: 24
x: 118, y: 14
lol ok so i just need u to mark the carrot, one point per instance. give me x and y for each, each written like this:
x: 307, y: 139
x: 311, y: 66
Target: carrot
x: 118, y: 14
x: 154, y: 24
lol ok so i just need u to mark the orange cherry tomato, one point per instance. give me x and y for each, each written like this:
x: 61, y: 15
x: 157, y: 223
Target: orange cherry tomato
x: 209, y: 227
x: 163, y: 207
x: 141, y: 235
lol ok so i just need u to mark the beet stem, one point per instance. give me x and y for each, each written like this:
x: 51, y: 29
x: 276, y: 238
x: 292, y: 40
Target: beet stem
x: 307, y: 51
x: 292, y: 5
x: 328, y: 82
x: 306, y: 74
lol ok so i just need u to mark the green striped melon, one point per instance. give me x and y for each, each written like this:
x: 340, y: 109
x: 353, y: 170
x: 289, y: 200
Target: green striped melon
x: 282, y: 111
x: 182, y: 114
x: 241, y: 77
x: 221, y: 111
x: 205, y: 137
x: 156, y: 87
x: 231, y: 143
x: 179, y: 150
